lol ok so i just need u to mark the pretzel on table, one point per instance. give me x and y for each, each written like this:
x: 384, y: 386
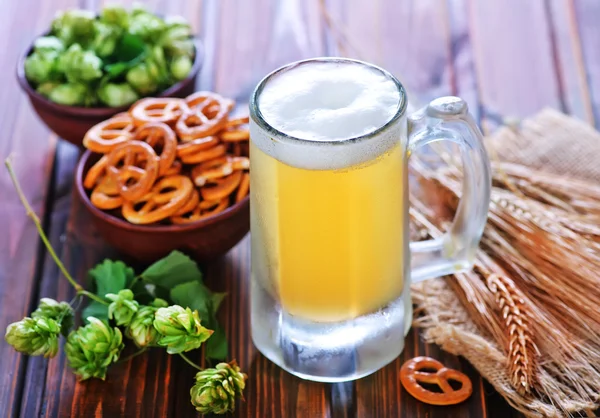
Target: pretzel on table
x: 411, y: 375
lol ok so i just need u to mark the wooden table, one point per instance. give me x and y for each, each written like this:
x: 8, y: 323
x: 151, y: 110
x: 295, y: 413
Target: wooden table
x: 506, y: 58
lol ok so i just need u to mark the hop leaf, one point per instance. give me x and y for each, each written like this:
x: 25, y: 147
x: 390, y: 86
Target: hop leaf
x: 92, y: 348
x: 34, y: 336
x: 141, y: 328
x: 61, y: 312
x: 123, y: 306
x: 217, y: 389
x: 180, y: 329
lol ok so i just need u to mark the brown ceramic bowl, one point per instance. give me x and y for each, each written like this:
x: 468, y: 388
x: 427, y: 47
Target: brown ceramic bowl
x: 71, y: 122
x: 203, y: 240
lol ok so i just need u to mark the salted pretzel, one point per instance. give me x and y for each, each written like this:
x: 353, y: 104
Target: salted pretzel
x: 221, y: 188
x: 196, y: 145
x: 164, y: 110
x: 167, y: 196
x: 95, y: 173
x: 106, y: 135
x: 159, y: 134
x: 132, y: 181
x: 201, y: 156
x: 244, y: 187
x: 106, y: 194
x: 206, y: 116
x: 233, y: 133
x: 203, y: 210
x: 411, y: 375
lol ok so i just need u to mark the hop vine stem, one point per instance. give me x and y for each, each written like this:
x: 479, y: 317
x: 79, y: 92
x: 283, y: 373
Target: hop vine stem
x: 190, y: 362
x: 38, y: 224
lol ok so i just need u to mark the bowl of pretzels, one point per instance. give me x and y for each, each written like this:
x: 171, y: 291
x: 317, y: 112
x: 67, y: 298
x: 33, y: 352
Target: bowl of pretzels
x: 169, y: 174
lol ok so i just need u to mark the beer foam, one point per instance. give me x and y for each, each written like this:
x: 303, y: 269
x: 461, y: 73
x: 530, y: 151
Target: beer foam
x: 328, y: 101
x: 325, y: 103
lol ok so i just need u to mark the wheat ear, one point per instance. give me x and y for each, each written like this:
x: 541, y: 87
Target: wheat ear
x: 520, y: 343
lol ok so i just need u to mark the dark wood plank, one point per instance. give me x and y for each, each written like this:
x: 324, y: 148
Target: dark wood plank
x: 33, y: 399
x: 33, y: 149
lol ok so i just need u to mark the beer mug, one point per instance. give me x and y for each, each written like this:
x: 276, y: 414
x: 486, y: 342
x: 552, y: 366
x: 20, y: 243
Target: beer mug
x: 331, y: 260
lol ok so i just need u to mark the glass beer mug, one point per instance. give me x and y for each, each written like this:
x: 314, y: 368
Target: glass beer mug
x: 331, y: 259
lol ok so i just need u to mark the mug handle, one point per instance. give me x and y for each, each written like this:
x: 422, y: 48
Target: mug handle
x: 447, y: 119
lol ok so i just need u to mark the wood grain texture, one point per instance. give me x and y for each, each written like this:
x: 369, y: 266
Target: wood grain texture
x: 586, y: 15
x: 513, y: 57
x: 32, y: 147
x: 569, y: 61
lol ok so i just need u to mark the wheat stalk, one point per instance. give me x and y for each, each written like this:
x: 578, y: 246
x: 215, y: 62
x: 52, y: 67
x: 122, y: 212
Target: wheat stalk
x: 536, y: 288
x: 520, y: 342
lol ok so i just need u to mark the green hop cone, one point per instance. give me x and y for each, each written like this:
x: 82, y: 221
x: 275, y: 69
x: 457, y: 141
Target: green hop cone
x: 34, y: 336
x: 61, y: 312
x: 141, y: 328
x: 123, y: 307
x: 217, y: 389
x: 180, y: 329
x: 92, y: 348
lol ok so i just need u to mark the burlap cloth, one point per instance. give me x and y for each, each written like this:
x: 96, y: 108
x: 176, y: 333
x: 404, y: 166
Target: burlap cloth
x: 549, y: 141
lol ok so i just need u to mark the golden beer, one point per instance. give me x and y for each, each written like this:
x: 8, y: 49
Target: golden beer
x: 333, y: 238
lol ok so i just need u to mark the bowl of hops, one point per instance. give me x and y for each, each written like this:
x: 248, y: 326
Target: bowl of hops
x: 169, y: 174
x: 88, y: 67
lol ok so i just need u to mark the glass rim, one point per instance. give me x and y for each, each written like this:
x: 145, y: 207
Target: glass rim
x: 257, y: 116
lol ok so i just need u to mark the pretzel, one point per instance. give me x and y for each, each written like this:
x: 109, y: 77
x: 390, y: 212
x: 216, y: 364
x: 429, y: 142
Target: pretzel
x: 155, y: 132
x: 201, y: 156
x: 212, y: 169
x: 105, y: 136
x: 206, y: 116
x: 221, y: 188
x: 232, y: 133
x: 174, y: 169
x: 203, y: 210
x: 164, y: 110
x: 410, y: 376
x: 95, y: 173
x: 218, y: 168
x: 106, y: 194
x: 190, y: 204
x: 242, y: 191
x: 166, y: 197
x: 133, y: 182
x: 239, y: 163
x: 196, y: 145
